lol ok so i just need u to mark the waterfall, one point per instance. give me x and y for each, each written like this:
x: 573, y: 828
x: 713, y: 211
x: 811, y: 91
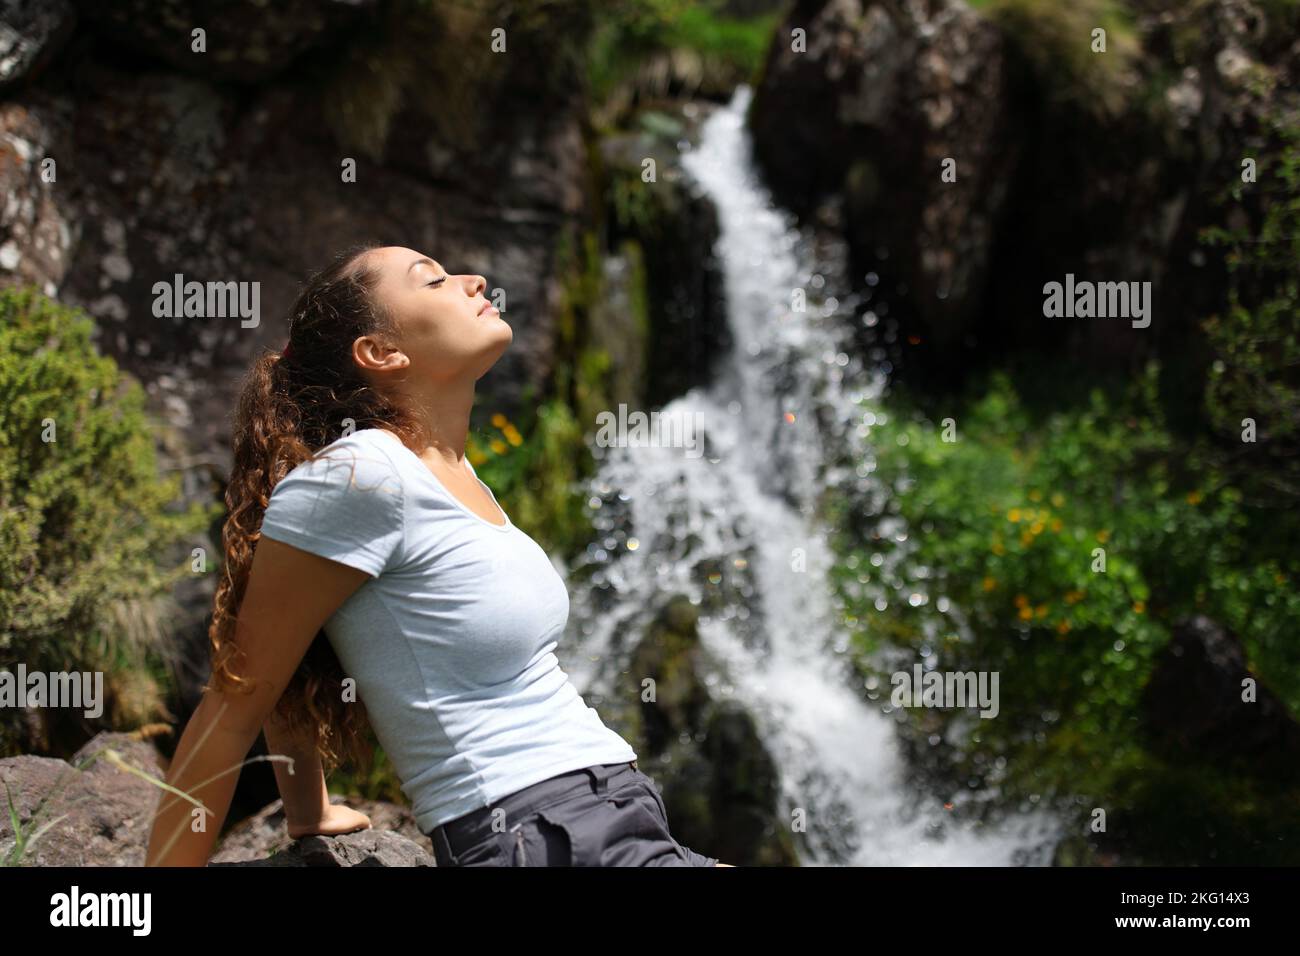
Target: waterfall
x: 728, y: 527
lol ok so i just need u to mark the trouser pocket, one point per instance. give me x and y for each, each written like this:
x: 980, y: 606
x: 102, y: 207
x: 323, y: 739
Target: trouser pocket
x: 621, y: 827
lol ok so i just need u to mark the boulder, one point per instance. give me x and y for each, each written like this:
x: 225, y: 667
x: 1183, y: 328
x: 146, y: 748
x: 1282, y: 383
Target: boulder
x: 102, y: 815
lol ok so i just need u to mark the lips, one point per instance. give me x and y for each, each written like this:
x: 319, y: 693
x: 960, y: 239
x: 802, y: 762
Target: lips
x: 487, y: 306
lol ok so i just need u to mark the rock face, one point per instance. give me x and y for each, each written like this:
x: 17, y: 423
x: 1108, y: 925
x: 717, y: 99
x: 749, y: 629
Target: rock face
x: 1194, y: 709
x: 126, y: 159
x: 102, y: 815
x: 1048, y: 176
x: 883, y: 96
x: 238, y: 48
x: 31, y: 32
x: 161, y: 167
x: 675, y: 229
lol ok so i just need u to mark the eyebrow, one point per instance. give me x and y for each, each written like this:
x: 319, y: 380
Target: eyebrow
x: 423, y: 262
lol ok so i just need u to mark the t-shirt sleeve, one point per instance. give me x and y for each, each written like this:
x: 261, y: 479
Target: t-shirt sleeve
x: 347, y: 506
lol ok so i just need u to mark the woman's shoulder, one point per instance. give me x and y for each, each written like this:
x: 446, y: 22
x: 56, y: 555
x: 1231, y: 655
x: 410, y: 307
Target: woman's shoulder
x: 363, y: 457
x: 344, y: 503
x: 371, y: 444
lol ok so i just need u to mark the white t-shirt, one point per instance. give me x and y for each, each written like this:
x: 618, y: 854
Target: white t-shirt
x: 452, y: 640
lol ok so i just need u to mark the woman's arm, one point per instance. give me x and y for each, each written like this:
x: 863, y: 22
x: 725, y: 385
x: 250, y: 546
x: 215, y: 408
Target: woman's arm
x: 290, y: 595
x: 307, y: 807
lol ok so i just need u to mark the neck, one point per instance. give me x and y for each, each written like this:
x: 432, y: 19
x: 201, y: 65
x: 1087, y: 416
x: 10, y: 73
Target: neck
x: 441, y: 413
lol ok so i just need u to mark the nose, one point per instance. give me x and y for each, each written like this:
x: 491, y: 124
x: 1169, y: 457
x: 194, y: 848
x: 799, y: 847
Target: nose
x: 476, y: 285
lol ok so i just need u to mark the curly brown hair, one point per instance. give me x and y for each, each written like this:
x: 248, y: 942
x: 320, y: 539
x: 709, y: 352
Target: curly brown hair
x: 290, y: 407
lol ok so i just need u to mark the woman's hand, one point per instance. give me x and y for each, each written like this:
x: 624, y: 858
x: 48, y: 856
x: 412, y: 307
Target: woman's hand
x: 335, y: 820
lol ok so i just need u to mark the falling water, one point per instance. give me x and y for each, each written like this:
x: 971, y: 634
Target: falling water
x: 729, y: 527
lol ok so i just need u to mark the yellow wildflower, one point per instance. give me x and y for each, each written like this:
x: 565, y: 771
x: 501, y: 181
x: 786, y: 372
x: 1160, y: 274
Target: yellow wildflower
x: 1063, y: 627
x: 990, y: 584
x: 1022, y: 601
x: 499, y: 420
x: 1013, y: 515
x: 1139, y: 607
x: 1026, y: 613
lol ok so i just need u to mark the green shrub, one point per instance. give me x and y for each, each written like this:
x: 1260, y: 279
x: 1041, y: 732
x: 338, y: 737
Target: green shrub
x: 724, y: 50
x: 997, y: 573
x: 1055, y: 41
x: 1256, y: 339
x: 86, y: 527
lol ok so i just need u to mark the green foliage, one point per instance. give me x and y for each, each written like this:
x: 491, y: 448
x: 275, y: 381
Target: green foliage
x: 1003, y: 524
x: 1256, y: 340
x: 437, y: 60
x: 1055, y: 40
x: 629, y: 33
x: 86, y: 523
x: 537, y: 478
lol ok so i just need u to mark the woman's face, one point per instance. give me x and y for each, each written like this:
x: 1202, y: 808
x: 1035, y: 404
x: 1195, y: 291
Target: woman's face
x: 445, y: 327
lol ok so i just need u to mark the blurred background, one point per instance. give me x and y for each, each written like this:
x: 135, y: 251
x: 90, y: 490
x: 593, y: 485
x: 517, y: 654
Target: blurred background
x: 817, y: 231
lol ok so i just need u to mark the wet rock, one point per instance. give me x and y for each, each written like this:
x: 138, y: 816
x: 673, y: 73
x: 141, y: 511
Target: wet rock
x: 675, y: 229
x: 718, y: 781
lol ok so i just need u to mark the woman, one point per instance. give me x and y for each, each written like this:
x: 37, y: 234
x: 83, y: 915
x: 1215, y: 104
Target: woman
x: 371, y: 580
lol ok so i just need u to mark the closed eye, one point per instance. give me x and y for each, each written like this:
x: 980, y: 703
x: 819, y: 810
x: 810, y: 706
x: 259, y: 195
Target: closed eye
x: 437, y: 281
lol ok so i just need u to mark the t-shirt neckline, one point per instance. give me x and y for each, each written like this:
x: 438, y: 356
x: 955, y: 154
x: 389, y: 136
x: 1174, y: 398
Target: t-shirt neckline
x: 447, y: 491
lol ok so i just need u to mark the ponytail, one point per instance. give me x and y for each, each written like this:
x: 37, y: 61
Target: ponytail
x: 291, y: 405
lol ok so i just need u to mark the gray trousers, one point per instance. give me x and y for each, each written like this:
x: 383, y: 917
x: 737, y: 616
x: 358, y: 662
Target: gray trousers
x: 603, y: 815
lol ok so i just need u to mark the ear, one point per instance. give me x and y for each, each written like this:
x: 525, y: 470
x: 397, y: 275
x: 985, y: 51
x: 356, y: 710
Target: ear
x: 372, y: 353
